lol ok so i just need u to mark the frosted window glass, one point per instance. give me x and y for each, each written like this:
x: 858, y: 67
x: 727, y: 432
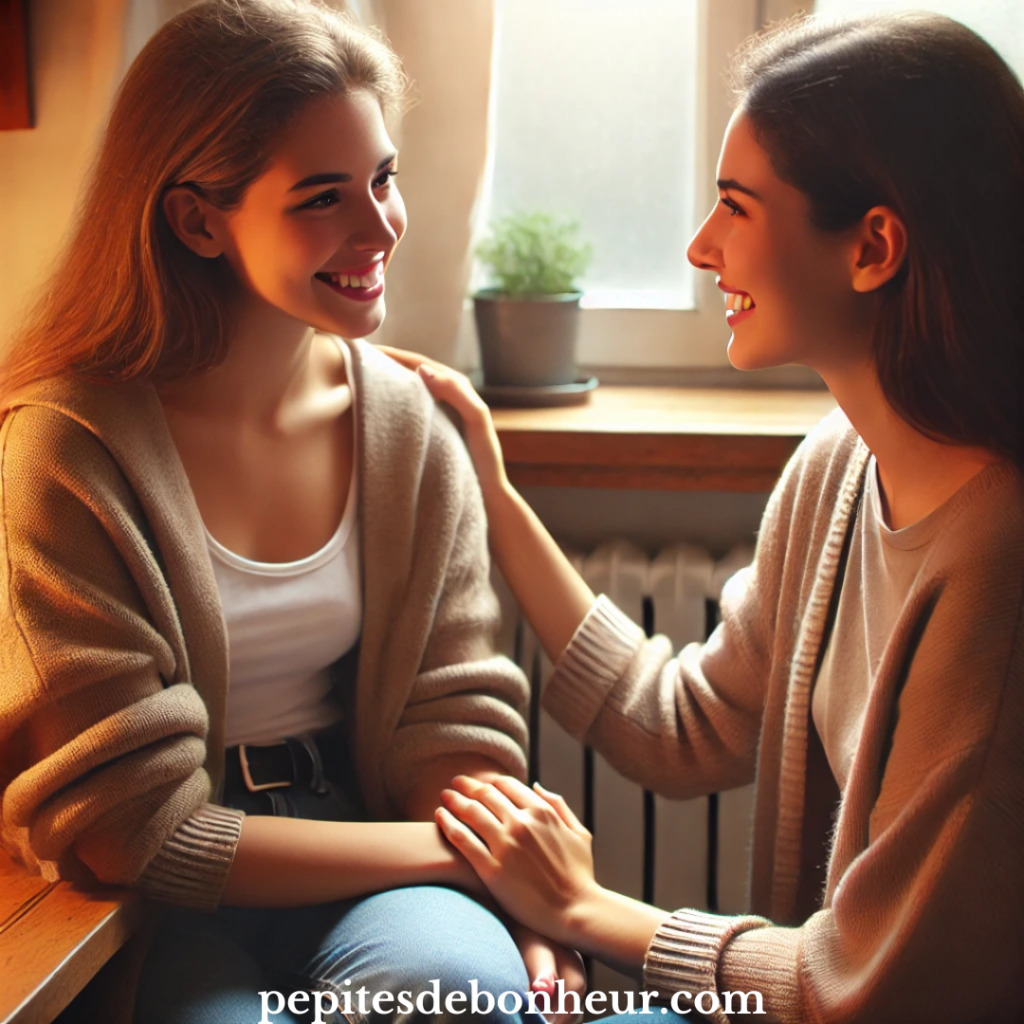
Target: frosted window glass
x: 999, y: 22
x: 595, y: 118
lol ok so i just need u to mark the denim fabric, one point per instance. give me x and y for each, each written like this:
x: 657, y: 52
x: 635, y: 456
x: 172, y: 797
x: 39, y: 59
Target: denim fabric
x: 210, y: 968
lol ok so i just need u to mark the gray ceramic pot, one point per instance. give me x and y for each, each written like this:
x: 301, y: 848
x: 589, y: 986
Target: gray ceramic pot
x: 527, y: 341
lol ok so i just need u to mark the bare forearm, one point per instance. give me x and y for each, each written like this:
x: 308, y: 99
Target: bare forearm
x: 290, y: 862
x: 550, y: 592
x: 614, y: 929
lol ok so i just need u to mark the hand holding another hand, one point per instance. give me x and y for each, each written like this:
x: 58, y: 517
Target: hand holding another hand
x: 527, y: 846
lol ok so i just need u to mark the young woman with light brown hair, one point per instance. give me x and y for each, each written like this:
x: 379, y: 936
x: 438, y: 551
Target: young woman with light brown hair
x: 246, y: 621
x: 868, y: 672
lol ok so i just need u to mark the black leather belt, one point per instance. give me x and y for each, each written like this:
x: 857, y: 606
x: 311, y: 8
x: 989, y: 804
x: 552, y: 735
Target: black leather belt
x: 294, y: 761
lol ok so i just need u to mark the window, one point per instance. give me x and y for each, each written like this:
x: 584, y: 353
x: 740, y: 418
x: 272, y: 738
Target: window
x: 613, y: 113
x: 595, y: 117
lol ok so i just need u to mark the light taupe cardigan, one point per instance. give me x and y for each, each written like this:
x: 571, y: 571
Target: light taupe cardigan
x: 113, y: 650
x: 922, y: 914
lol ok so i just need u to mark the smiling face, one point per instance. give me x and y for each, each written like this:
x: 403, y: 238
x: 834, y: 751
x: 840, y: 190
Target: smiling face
x: 316, y: 231
x: 789, y: 296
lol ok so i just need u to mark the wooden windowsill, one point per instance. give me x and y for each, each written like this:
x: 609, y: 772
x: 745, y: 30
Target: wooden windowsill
x: 660, y: 438
x: 53, y: 939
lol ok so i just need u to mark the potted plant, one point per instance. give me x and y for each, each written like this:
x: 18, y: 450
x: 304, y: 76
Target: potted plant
x: 528, y: 320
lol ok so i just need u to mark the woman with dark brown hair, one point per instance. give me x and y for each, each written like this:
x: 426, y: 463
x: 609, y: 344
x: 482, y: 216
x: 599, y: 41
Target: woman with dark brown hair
x: 246, y: 623
x: 868, y: 672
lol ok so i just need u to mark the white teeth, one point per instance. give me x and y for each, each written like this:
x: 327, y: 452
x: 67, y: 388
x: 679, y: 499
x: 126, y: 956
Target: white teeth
x: 370, y: 280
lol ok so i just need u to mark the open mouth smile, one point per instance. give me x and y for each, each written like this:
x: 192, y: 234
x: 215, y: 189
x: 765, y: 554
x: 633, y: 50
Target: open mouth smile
x: 738, y: 306
x: 363, y: 284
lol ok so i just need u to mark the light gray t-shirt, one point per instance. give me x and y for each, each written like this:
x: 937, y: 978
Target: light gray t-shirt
x: 880, y: 571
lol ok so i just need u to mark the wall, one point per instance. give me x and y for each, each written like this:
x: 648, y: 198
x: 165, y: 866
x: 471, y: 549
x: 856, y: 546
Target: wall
x: 76, y: 51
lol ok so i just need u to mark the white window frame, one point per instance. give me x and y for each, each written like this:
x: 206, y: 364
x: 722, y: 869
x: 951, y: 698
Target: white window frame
x: 657, y: 339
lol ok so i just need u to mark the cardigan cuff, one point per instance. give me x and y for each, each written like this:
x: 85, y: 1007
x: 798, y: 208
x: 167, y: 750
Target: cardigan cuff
x: 192, y: 865
x: 684, y: 953
x: 767, y: 960
x: 596, y: 658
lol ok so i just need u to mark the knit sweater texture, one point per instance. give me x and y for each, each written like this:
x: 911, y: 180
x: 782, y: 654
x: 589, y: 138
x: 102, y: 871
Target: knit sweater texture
x: 922, y: 913
x: 113, y: 649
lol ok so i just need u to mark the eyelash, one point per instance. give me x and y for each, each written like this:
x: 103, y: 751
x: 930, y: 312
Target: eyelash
x: 316, y: 203
x: 734, y: 208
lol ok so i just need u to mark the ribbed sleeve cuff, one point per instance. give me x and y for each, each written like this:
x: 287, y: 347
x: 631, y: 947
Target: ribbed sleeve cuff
x: 684, y: 953
x: 192, y: 865
x: 597, y: 656
x: 767, y: 960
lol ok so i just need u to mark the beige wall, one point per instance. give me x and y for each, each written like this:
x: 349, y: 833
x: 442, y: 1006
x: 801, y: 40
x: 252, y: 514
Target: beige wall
x: 76, y: 52
x: 446, y: 47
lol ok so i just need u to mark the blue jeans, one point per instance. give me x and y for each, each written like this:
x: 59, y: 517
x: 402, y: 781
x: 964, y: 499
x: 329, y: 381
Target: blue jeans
x: 211, y: 968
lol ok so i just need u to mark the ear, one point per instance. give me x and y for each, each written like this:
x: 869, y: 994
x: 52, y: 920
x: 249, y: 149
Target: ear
x: 880, y: 247
x: 195, y: 221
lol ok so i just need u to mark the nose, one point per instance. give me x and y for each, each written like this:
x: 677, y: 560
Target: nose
x: 704, y: 250
x: 379, y: 223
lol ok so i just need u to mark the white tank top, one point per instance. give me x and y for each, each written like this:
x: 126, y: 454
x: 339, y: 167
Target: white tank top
x: 287, y: 622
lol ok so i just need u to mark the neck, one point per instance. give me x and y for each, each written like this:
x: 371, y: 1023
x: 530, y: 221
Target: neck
x: 269, y: 369
x: 916, y: 473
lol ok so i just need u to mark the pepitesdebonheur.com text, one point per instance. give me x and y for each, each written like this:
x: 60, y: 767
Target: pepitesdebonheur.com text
x: 360, y: 1001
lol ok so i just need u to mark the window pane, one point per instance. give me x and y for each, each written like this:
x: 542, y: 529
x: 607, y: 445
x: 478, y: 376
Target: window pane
x: 596, y: 119
x: 999, y: 22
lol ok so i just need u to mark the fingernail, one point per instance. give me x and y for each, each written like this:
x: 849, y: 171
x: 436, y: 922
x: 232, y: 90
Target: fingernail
x: 426, y: 371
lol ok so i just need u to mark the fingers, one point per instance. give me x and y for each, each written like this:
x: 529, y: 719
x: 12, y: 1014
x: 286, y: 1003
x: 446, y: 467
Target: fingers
x: 540, y: 963
x: 410, y: 360
x: 465, y: 841
x: 491, y: 797
x: 519, y: 794
x: 563, y: 809
x: 451, y: 385
x: 569, y: 967
x: 477, y: 815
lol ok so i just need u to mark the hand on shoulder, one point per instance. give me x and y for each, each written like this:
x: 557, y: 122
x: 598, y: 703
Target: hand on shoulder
x: 454, y: 388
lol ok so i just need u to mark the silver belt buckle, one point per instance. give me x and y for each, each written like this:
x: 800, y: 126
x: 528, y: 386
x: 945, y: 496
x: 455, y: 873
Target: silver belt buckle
x: 247, y: 775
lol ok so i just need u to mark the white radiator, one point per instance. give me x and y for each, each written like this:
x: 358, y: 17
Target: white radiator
x: 692, y: 853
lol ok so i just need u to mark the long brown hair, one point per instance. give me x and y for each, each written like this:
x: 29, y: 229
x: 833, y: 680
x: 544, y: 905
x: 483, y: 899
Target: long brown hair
x: 202, y: 104
x: 915, y: 112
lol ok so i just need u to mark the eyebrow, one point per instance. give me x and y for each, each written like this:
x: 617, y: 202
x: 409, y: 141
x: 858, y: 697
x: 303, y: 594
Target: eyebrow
x: 732, y: 185
x: 334, y: 178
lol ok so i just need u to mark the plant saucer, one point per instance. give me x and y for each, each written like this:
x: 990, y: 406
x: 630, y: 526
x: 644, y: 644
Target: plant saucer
x: 525, y: 396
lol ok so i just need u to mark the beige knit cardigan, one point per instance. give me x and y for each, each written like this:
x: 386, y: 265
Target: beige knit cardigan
x: 113, y: 650
x: 922, y: 914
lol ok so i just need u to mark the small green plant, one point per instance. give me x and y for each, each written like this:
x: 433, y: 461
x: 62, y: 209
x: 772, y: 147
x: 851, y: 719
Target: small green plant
x: 534, y: 254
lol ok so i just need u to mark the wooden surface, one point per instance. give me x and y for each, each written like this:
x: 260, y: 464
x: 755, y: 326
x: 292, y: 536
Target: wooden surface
x: 660, y: 438
x: 53, y: 939
x: 15, y: 91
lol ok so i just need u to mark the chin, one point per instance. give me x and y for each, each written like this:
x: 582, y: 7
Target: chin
x: 749, y: 356
x: 348, y: 327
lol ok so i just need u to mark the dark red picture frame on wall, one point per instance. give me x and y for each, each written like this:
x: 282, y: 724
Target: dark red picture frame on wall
x: 15, y: 83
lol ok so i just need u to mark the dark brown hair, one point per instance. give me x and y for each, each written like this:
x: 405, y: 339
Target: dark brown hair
x: 203, y: 103
x: 918, y: 113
